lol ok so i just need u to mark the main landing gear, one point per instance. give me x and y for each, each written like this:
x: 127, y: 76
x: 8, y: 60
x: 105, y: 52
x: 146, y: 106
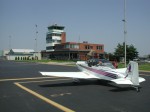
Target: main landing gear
x: 137, y: 88
x: 76, y: 81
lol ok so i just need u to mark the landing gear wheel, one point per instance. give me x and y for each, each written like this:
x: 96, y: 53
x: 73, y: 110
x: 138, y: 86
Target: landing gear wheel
x: 76, y: 81
x: 137, y: 89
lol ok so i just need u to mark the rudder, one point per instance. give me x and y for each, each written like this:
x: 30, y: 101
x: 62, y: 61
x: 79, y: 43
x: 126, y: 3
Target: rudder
x: 133, y: 72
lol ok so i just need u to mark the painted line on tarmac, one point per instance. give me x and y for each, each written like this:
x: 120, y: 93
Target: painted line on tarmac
x: 43, y: 80
x: 61, y: 107
x: 15, y: 79
x: 59, y: 95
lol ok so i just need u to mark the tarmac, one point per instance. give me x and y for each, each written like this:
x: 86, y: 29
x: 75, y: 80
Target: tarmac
x: 24, y: 89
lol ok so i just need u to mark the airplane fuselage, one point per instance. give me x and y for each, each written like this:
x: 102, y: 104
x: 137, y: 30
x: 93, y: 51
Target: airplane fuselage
x: 100, y: 72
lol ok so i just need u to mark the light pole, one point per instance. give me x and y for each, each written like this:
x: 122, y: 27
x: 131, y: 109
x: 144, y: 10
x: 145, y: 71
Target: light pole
x: 125, y: 33
x: 36, y: 42
x: 36, y: 39
x: 9, y: 45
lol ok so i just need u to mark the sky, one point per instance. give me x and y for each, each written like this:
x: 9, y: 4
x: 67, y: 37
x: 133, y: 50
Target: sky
x: 95, y: 21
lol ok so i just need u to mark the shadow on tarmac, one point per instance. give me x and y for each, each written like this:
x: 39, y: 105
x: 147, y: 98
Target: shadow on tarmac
x: 116, y: 88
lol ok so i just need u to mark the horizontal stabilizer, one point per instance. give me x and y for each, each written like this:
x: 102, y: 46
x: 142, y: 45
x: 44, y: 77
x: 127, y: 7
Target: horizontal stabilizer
x: 141, y: 79
x: 122, y: 81
x: 126, y: 81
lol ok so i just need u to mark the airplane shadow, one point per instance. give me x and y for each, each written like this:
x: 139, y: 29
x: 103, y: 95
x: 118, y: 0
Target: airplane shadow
x: 116, y: 88
x: 63, y: 84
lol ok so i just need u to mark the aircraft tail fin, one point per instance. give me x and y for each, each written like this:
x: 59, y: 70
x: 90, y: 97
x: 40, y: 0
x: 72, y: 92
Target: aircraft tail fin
x: 132, y: 73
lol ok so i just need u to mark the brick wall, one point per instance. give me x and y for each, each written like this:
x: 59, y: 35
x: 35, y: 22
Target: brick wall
x: 98, y: 48
x: 63, y: 37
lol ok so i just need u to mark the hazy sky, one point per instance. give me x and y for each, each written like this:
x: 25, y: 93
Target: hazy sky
x: 95, y: 21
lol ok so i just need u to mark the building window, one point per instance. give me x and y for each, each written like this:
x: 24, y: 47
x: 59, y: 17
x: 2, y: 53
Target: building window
x: 72, y: 46
x: 56, y: 34
x: 67, y: 46
x: 76, y: 46
x: 49, y: 39
x: 87, y: 47
x: 49, y: 36
x: 58, y: 41
x: 50, y: 48
x: 99, y: 47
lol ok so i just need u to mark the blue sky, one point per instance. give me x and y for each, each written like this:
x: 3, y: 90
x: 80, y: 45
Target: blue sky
x: 95, y: 21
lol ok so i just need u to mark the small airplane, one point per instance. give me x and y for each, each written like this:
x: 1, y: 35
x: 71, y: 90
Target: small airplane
x: 103, y: 69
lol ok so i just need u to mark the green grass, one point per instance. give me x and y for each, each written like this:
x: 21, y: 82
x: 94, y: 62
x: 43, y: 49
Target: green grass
x: 142, y: 66
x: 121, y: 65
x: 145, y: 66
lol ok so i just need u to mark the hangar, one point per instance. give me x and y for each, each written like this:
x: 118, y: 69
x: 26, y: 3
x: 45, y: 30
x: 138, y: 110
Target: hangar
x: 23, y: 54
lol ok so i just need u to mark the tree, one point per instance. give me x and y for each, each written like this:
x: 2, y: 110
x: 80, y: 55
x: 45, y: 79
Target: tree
x: 148, y: 56
x: 113, y: 57
x: 16, y: 58
x: 132, y: 52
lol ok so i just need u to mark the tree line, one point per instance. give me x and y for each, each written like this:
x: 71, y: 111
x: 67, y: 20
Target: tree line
x: 131, y: 52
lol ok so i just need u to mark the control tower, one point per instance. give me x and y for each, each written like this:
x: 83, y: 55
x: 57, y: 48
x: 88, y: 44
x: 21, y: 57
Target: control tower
x: 55, y: 35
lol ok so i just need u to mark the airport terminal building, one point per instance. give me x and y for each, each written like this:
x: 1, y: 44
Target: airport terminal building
x: 58, y: 48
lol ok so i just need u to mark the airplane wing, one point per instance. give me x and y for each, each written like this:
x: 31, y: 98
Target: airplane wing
x: 80, y: 75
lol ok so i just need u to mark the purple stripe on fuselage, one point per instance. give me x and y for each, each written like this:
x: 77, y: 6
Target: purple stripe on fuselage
x: 100, y: 72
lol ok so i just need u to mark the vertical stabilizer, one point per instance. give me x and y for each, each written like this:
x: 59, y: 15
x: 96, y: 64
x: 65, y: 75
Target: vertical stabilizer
x: 133, y: 72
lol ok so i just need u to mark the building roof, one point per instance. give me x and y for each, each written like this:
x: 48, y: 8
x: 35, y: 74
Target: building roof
x: 22, y: 50
x: 56, y: 27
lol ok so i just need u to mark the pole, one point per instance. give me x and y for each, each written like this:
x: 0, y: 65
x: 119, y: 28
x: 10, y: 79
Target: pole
x: 79, y: 47
x: 125, y: 33
x: 9, y: 46
x: 36, y: 39
x: 9, y: 42
x: 36, y: 42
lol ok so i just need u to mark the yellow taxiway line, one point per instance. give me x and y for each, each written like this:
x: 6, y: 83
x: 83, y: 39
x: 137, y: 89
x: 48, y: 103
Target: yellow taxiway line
x: 43, y: 80
x: 61, y: 107
x: 15, y: 79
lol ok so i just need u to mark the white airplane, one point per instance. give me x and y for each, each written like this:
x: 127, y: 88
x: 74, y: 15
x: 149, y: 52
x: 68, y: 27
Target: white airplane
x: 103, y: 69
